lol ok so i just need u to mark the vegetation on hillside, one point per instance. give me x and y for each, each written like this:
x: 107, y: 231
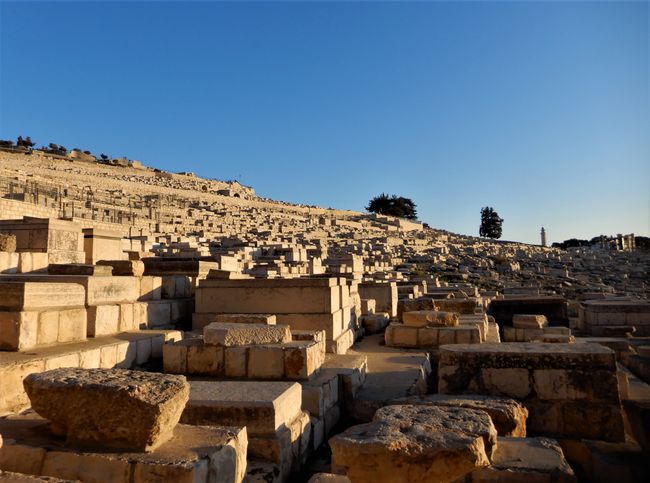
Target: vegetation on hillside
x: 393, y: 205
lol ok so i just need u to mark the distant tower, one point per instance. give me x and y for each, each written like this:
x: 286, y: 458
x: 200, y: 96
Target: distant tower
x: 543, y: 235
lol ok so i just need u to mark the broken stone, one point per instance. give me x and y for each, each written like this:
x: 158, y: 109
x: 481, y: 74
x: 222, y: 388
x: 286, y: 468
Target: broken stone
x: 414, y: 444
x: 508, y: 415
x: 535, y: 460
x: 109, y: 408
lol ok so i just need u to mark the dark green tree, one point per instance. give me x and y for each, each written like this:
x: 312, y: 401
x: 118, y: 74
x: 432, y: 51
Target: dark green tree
x: 393, y: 206
x: 490, y: 223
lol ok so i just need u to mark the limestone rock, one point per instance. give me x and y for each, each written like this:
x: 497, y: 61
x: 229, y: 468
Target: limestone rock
x: 534, y: 460
x: 413, y: 444
x: 430, y: 318
x: 234, y: 335
x: 443, y: 419
x: 109, y: 408
x: 509, y: 416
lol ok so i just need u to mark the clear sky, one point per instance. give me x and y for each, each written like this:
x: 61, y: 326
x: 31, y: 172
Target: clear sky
x: 539, y: 109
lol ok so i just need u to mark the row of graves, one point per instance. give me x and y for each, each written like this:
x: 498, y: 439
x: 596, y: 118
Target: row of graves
x: 159, y: 369
x: 115, y: 367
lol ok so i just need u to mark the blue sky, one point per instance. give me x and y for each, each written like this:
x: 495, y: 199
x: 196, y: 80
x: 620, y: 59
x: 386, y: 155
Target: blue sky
x: 539, y: 109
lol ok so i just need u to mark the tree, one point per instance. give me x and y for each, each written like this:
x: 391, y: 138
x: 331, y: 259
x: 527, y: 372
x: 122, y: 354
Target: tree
x: 393, y: 206
x: 490, y: 223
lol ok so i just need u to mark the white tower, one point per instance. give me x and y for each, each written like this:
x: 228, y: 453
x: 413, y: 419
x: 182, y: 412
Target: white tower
x: 543, y: 235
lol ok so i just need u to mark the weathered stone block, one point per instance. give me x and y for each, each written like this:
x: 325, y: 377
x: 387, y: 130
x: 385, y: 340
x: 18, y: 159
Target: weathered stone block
x: 571, y: 390
x: 508, y: 415
x: 132, y: 411
x: 199, y: 454
x: 263, y: 407
x: 535, y: 460
x: 235, y: 334
x: 412, y: 444
x: 430, y: 318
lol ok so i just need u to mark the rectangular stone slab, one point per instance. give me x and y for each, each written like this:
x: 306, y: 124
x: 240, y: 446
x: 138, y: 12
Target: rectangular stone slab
x: 201, y: 320
x: 430, y: 318
x: 165, y: 266
x: 99, y: 290
x: 548, y: 356
x: 268, y: 297
x: 234, y: 335
x: 79, y: 269
x: 123, y: 350
x: 109, y: 408
x: 263, y: 407
x: 18, y: 295
x: 194, y: 453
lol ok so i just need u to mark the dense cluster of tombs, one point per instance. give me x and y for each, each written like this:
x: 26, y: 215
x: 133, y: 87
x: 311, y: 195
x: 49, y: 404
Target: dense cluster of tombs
x: 225, y: 340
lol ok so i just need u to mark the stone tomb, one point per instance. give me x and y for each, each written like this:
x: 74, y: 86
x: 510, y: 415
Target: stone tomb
x: 124, y: 350
x: 302, y: 303
x: 246, y: 351
x: 100, y: 244
x: 597, y: 316
x: 554, y: 307
x: 61, y: 240
x: 384, y: 294
x: 570, y: 390
x: 279, y: 431
x: 198, y: 454
x: 430, y: 329
x: 119, y: 426
x: 117, y: 303
x: 35, y: 314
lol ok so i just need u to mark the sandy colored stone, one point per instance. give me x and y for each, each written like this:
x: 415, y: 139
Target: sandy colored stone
x: 263, y: 407
x: 531, y: 460
x: 235, y: 335
x: 109, y: 408
x: 443, y: 419
x: 193, y: 454
x: 414, y: 444
x: 430, y: 318
x: 509, y: 416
